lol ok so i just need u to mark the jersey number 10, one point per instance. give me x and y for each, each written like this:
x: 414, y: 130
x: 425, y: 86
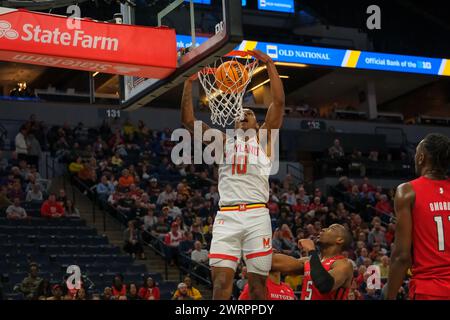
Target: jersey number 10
x: 239, y: 165
x: 440, y: 232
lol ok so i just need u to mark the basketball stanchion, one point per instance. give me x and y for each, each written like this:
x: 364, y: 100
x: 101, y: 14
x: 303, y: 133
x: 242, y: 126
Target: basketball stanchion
x: 225, y: 82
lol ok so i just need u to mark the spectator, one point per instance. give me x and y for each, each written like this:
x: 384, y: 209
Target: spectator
x: 76, y: 166
x: 377, y: 235
x: 30, y: 284
x: 15, y: 211
x: 133, y: 241
x: 70, y: 211
x: 199, y: 254
x: 107, y: 294
x: 4, y: 200
x: 116, y: 160
x: 57, y: 293
x: 126, y: 180
x: 166, y: 195
x: 182, y: 293
x: 193, y: 292
x: 16, y: 191
x: 362, y: 255
x: 87, y: 174
x: 383, y: 206
x: 149, y: 220
x: 51, y: 208
x: 81, y: 294
x: 172, y: 241
x: 133, y: 292
x: 149, y: 290
x: 119, y: 289
x: 336, y: 151
x: 161, y: 227
x: 22, y: 148
x: 187, y: 245
x: 34, y: 151
x: 390, y: 234
x: 104, y: 189
x: 384, y: 267
x: 34, y: 194
x: 44, y: 290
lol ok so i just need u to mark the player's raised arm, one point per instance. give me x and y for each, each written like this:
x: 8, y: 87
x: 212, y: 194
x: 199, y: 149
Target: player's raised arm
x: 187, y: 108
x: 326, y: 281
x: 287, y: 264
x: 401, y: 255
x: 274, y: 115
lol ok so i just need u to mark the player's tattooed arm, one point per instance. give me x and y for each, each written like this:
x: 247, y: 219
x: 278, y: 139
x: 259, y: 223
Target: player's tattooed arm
x: 401, y: 255
x: 287, y: 264
x: 274, y: 116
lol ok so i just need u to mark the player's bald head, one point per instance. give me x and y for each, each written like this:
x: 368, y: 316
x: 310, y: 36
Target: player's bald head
x: 343, y: 236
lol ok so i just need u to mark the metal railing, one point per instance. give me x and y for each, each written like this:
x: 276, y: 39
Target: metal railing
x: 157, y: 245
x: 91, y: 194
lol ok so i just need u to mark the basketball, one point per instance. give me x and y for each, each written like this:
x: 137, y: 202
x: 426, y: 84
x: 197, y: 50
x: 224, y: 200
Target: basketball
x: 231, y: 77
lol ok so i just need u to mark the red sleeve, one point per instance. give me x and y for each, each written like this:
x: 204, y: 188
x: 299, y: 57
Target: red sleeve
x: 167, y: 239
x: 45, y: 209
x: 142, y: 293
x: 245, y: 293
x: 59, y: 208
x: 156, y: 293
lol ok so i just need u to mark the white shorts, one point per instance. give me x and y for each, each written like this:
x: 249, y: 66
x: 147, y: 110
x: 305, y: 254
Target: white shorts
x: 243, y: 234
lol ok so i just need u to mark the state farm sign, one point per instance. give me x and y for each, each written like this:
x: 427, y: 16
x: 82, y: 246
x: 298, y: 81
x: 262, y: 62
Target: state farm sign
x: 45, y: 39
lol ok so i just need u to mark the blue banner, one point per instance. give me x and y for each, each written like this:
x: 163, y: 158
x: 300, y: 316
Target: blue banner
x: 338, y: 57
x: 277, y: 5
x: 398, y: 63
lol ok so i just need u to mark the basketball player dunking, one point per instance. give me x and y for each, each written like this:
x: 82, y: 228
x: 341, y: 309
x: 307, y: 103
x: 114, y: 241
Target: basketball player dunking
x: 422, y: 235
x: 242, y: 227
x: 327, y: 273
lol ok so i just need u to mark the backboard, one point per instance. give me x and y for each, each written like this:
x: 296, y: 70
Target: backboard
x: 206, y: 30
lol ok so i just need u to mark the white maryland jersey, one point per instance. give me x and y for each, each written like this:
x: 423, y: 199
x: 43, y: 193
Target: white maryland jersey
x: 244, y: 175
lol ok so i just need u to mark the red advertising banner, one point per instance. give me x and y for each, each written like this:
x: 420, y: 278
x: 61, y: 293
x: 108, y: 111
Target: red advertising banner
x: 58, y: 41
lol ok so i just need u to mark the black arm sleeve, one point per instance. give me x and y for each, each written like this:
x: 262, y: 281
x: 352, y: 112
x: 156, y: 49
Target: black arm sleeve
x: 322, y: 280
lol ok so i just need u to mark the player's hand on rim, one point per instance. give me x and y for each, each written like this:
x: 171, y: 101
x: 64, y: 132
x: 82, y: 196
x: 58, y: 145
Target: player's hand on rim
x: 261, y: 56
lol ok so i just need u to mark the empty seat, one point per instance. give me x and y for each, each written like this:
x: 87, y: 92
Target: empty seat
x: 27, y: 249
x: 7, y: 229
x: 123, y: 259
x: 7, y: 249
x: 65, y: 259
x: 14, y: 296
x: 133, y: 277
x: 72, y: 249
x: 16, y: 277
x: 85, y: 259
x: 109, y: 249
x: 53, y: 249
x: 141, y: 268
x: 90, y: 250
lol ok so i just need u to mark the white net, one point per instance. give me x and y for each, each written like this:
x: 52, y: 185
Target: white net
x: 225, y: 83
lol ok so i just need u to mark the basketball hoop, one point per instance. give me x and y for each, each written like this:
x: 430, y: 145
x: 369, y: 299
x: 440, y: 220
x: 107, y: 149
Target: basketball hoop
x: 225, y: 88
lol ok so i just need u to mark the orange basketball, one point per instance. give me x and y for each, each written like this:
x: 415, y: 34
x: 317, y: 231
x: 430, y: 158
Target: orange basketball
x: 231, y: 77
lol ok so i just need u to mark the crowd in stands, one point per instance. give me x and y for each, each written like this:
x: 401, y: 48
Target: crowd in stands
x: 128, y: 167
x: 395, y: 162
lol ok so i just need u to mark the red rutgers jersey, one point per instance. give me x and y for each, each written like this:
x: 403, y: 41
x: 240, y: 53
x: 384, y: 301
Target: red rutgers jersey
x: 275, y: 291
x: 310, y: 292
x: 431, y: 238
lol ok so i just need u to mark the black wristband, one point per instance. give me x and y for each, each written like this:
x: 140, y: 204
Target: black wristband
x: 322, y: 280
